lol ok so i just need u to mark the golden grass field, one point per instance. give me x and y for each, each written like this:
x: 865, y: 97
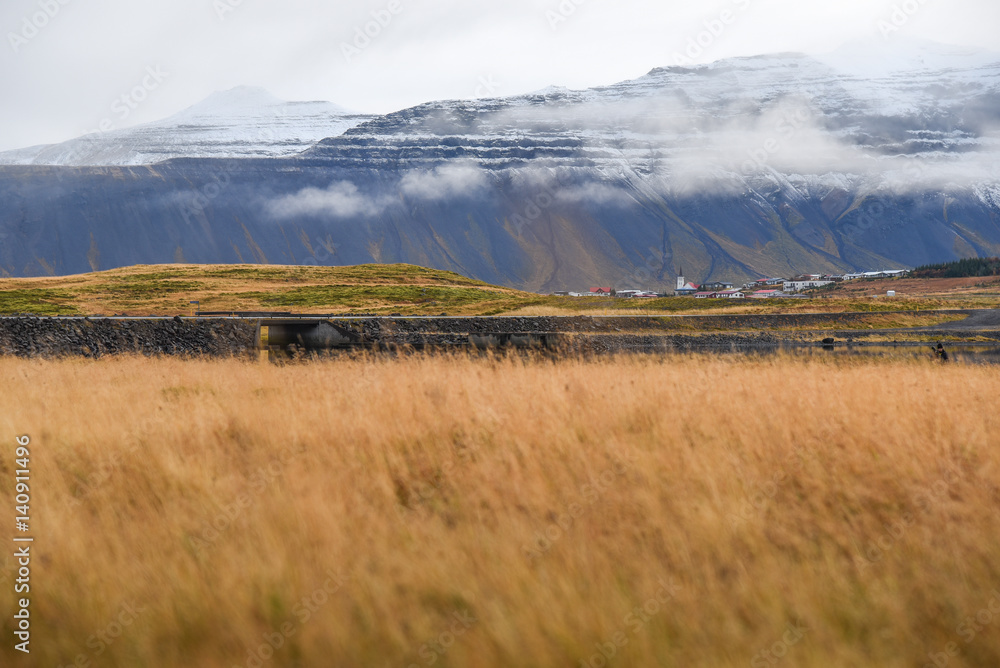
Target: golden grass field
x: 458, y: 511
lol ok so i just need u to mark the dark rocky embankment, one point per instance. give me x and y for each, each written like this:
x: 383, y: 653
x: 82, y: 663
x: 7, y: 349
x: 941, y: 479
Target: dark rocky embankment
x: 53, y: 337
x: 227, y: 337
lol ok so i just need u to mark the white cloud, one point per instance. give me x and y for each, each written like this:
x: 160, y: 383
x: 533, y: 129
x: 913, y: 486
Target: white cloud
x: 444, y: 182
x: 593, y: 193
x: 341, y: 199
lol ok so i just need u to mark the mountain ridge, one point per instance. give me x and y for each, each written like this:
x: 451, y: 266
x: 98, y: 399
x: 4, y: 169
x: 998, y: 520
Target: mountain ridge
x: 244, y: 121
x: 767, y: 165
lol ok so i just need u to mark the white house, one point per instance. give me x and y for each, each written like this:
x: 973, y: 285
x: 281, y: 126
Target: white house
x: 799, y: 286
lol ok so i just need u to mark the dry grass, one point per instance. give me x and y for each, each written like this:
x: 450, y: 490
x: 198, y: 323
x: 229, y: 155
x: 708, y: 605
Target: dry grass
x: 169, y: 289
x: 985, y: 288
x: 857, y: 499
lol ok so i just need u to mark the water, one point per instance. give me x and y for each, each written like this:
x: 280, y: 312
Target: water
x: 958, y: 353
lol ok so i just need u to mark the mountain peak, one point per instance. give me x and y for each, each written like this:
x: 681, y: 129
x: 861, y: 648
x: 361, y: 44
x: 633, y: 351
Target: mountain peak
x: 240, y: 97
x: 903, y: 53
x: 245, y: 121
x: 551, y: 90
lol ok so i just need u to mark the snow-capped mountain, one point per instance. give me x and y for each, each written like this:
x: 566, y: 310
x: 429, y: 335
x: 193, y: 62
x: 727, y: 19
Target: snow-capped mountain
x: 243, y: 122
x: 717, y: 116
x: 767, y: 165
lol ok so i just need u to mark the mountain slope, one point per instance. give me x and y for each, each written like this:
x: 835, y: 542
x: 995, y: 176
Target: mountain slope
x: 749, y: 166
x: 238, y: 123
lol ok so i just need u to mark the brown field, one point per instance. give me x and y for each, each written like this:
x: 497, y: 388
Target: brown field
x: 986, y: 287
x: 456, y: 511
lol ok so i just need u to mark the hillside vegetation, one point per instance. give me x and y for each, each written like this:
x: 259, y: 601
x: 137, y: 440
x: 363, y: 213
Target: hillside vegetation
x: 457, y: 511
x: 968, y: 267
x: 169, y: 289
x: 411, y: 290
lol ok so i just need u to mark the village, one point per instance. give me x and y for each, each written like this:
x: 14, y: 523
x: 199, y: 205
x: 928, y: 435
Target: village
x: 796, y: 287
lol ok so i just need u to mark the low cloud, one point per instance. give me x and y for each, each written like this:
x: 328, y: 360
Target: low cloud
x: 444, y: 182
x: 341, y: 199
x: 594, y: 193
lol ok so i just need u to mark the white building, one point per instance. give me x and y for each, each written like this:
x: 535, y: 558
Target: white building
x: 799, y: 286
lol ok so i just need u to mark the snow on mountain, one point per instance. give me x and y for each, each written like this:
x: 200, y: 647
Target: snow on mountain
x: 765, y: 165
x: 243, y: 122
x: 872, y: 58
x: 931, y: 114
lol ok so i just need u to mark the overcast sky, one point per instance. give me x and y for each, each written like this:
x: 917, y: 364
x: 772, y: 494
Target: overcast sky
x: 65, y: 63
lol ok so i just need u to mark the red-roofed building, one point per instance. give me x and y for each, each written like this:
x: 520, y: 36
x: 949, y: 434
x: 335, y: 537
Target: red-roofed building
x: 686, y: 290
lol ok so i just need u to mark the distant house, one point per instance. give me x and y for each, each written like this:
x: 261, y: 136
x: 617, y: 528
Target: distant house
x: 767, y: 294
x: 717, y: 286
x: 636, y: 294
x: 704, y: 295
x: 886, y: 273
x: 686, y: 290
x: 799, y: 286
x: 600, y: 292
x: 764, y: 283
x: 730, y: 294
